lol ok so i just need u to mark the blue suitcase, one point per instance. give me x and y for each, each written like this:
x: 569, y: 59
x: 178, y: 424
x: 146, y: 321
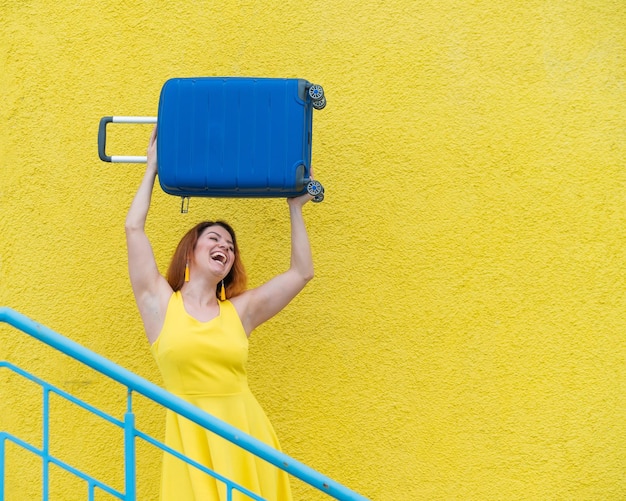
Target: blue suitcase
x: 232, y: 137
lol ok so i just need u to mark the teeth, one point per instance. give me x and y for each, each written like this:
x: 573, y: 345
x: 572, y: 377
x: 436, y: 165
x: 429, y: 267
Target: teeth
x: 219, y: 257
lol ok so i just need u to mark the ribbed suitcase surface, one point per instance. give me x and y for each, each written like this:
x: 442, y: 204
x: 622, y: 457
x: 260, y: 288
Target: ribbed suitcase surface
x: 234, y: 137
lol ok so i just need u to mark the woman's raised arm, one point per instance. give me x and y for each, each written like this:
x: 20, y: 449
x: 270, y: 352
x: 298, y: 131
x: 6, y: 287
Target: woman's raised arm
x: 262, y: 303
x: 150, y: 288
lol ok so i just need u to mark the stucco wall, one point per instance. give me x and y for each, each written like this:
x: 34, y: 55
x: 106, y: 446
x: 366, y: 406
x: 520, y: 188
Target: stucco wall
x: 464, y: 337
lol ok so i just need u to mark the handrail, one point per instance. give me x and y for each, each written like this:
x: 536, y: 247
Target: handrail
x: 130, y: 433
x: 140, y: 385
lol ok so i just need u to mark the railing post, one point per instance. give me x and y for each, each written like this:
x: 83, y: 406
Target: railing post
x: 129, y: 450
x: 45, y: 446
x: 2, y: 451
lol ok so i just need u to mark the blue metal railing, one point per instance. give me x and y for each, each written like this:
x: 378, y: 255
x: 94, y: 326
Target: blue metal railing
x: 137, y: 384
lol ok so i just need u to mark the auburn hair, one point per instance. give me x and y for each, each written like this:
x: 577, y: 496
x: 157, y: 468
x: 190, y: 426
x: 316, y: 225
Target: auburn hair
x: 235, y: 282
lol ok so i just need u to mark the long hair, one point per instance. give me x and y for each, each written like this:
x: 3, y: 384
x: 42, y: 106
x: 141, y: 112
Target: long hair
x: 235, y: 282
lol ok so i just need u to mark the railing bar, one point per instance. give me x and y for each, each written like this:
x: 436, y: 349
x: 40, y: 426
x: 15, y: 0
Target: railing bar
x: 63, y: 394
x: 197, y: 465
x: 181, y: 456
x: 175, y: 453
x: 95, y: 485
x: 45, y: 445
x: 21, y: 443
x: 86, y: 477
x: 88, y: 407
x: 65, y: 466
x: 178, y: 405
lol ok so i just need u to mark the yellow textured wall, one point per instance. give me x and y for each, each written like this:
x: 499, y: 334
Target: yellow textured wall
x: 464, y: 337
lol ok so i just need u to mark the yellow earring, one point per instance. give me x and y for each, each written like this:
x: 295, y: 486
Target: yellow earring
x: 223, y: 292
x: 187, y: 272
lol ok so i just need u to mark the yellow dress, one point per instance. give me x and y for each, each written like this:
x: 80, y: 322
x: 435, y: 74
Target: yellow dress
x: 205, y: 363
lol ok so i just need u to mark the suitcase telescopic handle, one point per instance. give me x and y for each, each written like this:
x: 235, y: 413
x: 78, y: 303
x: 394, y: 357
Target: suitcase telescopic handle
x: 102, y: 139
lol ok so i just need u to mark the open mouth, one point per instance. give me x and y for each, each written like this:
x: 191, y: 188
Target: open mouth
x: 219, y: 257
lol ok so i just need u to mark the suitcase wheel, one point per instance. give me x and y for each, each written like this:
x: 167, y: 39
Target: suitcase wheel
x: 316, y: 92
x: 314, y: 188
x: 319, y: 104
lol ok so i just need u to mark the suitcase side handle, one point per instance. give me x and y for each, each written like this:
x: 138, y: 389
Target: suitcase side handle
x: 102, y: 138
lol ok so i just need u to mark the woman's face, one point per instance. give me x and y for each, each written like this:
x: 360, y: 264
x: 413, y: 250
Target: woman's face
x: 215, y: 251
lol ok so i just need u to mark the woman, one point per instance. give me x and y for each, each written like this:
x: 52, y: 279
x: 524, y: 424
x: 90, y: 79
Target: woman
x: 198, y: 321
